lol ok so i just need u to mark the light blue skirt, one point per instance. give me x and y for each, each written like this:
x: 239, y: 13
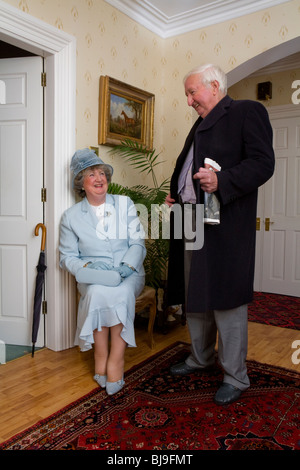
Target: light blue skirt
x: 102, y: 306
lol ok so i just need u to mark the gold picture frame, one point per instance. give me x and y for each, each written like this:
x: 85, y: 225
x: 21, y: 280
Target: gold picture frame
x: 125, y: 112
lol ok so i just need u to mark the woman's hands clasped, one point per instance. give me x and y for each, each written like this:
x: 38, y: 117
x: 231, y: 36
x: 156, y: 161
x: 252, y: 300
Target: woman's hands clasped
x: 124, y: 270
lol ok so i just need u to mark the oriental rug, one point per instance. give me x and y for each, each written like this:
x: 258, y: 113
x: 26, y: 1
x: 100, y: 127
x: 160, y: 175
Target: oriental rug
x: 155, y: 411
x: 275, y: 309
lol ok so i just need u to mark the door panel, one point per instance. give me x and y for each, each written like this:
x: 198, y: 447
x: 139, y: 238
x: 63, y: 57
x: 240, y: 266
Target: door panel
x: 21, y: 179
x: 280, y: 236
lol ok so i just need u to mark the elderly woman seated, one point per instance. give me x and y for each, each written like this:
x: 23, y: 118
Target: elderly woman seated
x: 102, y: 245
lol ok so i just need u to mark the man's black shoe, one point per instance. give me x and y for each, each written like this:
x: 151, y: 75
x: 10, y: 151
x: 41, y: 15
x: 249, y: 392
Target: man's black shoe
x: 226, y: 394
x: 183, y: 369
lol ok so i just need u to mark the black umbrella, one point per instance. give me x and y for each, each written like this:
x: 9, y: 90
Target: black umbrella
x: 40, y: 277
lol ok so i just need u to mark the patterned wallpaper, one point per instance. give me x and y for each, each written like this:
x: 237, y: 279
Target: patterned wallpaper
x: 110, y: 43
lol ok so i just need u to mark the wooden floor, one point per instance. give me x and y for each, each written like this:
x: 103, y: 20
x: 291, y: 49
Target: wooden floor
x: 33, y: 388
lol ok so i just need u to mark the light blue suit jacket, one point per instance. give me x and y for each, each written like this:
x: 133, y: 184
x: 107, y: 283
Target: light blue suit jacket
x: 119, y: 239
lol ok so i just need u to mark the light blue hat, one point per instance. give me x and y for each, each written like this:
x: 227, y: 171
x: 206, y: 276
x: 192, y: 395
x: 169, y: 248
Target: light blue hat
x: 85, y: 158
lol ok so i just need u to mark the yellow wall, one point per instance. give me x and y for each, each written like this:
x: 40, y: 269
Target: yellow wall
x: 110, y: 43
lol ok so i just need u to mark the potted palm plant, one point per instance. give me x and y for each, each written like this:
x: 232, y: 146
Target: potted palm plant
x: 146, y: 161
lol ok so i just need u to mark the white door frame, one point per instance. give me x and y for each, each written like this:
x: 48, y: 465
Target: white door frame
x: 275, y: 112
x: 59, y: 51
x: 283, y: 286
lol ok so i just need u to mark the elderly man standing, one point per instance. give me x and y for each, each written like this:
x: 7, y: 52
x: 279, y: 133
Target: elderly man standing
x: 215, y: 282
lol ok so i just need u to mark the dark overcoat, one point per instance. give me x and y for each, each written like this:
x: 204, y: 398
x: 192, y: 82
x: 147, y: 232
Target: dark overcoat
x: 238, y: 136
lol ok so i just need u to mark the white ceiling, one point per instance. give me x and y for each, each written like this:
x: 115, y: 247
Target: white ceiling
x: 169, y: 18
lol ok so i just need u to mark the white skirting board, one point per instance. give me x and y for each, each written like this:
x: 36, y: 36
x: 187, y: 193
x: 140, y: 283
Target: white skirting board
x: 2, y: 352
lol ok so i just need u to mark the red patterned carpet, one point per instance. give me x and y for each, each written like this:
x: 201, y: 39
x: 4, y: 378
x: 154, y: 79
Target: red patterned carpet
x: 276, y: 310
x: 158, y: 412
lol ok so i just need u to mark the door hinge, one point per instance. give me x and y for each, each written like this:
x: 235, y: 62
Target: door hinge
x: 43, y: 195
x: 44, y: 307
x: 43, y: 79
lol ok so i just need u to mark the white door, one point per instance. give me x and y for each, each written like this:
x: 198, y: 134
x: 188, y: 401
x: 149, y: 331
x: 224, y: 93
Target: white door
x: 278, y: 242
x: 21, y: 209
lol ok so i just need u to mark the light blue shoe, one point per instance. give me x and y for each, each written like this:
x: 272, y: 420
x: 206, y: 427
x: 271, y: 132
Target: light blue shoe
x: 101, y: 380
x: 114, y: 387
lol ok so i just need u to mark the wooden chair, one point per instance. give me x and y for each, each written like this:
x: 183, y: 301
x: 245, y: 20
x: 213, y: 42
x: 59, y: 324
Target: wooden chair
x: 147, y: 298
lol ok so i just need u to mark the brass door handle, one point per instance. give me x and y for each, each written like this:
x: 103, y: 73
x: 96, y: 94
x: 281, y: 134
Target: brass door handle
x: 267, y: 224
x: 257, y: 223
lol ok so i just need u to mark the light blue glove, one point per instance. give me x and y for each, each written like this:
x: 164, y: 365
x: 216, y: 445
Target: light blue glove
x: 124, y: 270
x: 99, y: 265
x: 98, y: 276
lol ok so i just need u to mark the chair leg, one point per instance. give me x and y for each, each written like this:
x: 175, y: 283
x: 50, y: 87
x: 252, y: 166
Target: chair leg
x: 152, y: 315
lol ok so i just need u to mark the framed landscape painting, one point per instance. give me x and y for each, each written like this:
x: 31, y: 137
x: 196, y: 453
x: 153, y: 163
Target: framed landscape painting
x: 125, y: 112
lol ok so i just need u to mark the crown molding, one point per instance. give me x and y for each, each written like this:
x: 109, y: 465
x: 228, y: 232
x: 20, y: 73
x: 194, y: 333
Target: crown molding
x: 165, y: 25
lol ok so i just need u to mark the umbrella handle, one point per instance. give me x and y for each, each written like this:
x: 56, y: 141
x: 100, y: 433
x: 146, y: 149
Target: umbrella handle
x: 42, y: 226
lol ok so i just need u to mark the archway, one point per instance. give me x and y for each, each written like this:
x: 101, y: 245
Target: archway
x: 262, y: 60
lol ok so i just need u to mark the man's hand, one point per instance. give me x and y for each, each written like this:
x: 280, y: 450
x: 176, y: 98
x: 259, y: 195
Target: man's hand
x: 169, y: 201
x: 208, y: 180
